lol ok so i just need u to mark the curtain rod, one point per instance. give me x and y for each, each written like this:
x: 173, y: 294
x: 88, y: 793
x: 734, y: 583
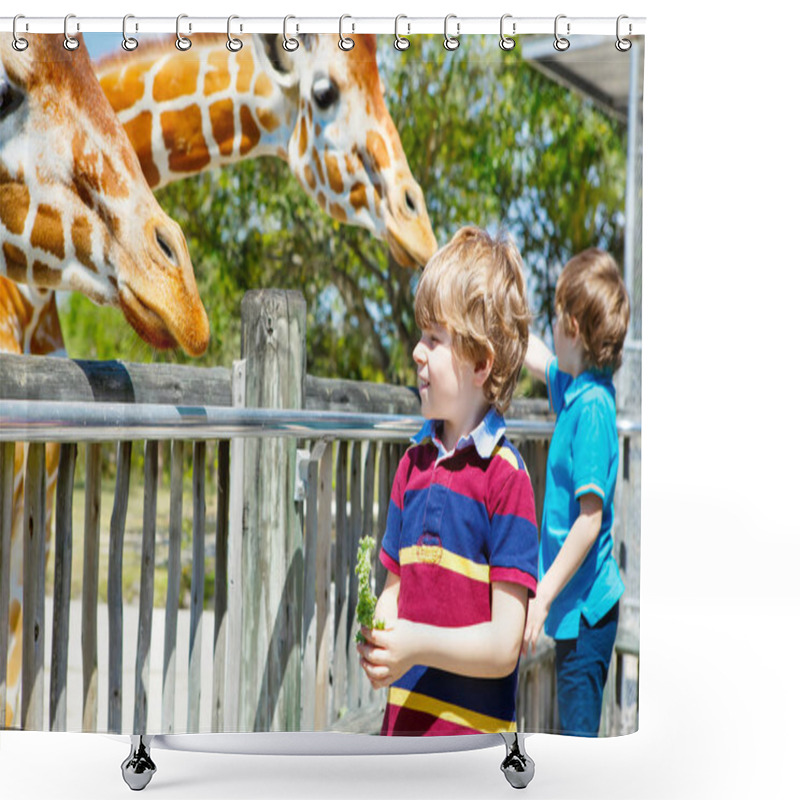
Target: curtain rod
x: 404, y: 25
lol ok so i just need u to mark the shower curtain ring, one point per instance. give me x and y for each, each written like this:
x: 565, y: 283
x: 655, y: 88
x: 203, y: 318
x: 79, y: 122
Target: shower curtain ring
x: 623, y: 45
x: 70, y: 42
x: 18, y: 43
x: 128, y: 42
x: 181, y: 42
x: 345, y: 42
x: 234, y: 45
x: 506, y: 42
x: 561, y: 43
x: 290, y: 44
x: 400, y: 42
x: 451, y: 42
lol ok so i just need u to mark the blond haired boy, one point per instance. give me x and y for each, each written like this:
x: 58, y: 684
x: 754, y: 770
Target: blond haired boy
x: 461, y: 539
x: 577, y: 601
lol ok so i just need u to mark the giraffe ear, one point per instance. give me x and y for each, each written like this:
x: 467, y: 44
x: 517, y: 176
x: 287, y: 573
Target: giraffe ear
x: 283, y: 62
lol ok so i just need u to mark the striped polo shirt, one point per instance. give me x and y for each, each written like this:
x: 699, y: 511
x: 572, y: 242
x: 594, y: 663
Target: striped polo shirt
x: 457, y: 522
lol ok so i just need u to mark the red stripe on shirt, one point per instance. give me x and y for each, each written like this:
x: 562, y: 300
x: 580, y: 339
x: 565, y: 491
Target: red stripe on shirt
x: 401, y: 721
x: 441, y: 597
x: 512, y: 575
x: 389, y: 562
x: 467, y: 474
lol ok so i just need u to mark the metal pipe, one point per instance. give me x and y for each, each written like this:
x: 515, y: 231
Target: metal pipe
x: 248, y: 25
x: 46, y: 421
x: 632, y: 185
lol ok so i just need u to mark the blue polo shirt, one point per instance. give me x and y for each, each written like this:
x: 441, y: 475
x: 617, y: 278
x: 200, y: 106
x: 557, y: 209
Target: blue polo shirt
x: 582, y: 459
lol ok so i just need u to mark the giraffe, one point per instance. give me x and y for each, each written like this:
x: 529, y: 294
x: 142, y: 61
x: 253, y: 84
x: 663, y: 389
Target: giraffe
x: 76, y: 213
x: 320, y: 109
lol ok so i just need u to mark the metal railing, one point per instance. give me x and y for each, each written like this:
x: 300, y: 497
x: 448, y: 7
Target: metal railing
x: 48, y: 421
x: 347, y: 514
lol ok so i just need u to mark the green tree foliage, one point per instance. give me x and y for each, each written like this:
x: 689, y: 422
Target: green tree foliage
x: 491, y: 142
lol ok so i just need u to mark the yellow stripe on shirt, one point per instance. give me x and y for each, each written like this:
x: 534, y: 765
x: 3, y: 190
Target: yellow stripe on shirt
x: 507, y: 454
x: 449, y: 712
x: 428, y: 554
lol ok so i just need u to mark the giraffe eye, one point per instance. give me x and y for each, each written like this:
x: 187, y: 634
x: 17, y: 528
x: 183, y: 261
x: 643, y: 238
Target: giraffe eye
x: 10, y: 99
x: 325, y: 93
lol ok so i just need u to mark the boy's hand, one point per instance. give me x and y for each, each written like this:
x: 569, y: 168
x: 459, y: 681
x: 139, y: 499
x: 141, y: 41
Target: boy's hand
x: 386, y: 609
x: 537, y: 357
x: 534, y: 622
x: 387, y: 654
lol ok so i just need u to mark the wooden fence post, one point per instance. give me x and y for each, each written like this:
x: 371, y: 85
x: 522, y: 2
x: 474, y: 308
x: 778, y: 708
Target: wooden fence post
x: 234, y: 672
x: 62, y: 583
x: 33, y: 591
x: 7, y: 450
x: 114, y: 592
x: 273, y: 347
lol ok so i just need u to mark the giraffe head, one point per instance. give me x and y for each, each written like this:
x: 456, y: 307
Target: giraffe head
x: 319, y: 108
x: 76, y: 212
x: 344, y: 147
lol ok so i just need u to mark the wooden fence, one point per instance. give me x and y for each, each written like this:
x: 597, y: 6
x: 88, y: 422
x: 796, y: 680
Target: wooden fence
x: 288, y: 515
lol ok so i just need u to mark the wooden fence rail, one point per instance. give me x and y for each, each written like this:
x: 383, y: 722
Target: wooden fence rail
x: 287, y: 517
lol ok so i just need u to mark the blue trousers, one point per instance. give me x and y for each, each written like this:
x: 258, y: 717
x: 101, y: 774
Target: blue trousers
x: 581, y: 671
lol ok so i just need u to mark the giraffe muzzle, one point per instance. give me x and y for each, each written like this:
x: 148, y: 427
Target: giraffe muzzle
x: 161, y: 301
x: 409, y: 231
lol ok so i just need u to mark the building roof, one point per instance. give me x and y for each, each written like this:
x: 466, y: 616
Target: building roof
x: 591, y: 66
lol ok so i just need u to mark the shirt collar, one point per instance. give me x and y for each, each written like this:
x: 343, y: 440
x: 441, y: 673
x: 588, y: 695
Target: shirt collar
x: 484, y: 437
x: 587, y: 379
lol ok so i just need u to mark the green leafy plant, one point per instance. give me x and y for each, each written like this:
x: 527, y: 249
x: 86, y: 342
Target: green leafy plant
x: 365, y: 610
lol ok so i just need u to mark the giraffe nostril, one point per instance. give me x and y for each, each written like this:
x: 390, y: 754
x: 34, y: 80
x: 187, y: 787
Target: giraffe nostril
x: 168, y: 251
x: 410, y: 204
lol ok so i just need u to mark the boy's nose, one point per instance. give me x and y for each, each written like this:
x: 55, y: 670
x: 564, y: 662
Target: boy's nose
x: 418, y: 353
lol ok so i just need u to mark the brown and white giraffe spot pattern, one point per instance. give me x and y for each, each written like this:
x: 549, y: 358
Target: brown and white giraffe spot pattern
x: 127, y: 87
x: 184, y: 141
x: 139, y: 131
x: 48, y: 235
x: 250, y: 131
x: 15, y: 202
x: 223, y: 125
x: 70, y: 172
x: 218, y: 77
x: 194, y: 110
x: 176, y: 78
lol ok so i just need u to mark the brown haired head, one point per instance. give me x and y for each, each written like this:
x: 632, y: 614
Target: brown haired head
x: 590, y: 290
x: 474, y: 286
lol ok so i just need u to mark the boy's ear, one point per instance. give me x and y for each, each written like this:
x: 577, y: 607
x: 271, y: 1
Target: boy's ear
x: 483, y: 369
x: 574, y: 327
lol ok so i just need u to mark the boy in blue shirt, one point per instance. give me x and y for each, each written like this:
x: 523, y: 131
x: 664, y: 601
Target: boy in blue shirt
x: 577, y: 600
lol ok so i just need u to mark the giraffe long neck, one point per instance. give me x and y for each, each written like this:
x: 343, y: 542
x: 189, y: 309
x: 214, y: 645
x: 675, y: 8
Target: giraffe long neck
x: 189, y: 112
x: 29, y: 321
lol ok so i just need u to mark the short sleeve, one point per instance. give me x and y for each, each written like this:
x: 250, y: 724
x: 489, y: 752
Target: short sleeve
x: 390, y: 547
x: 557, y: 384
x: 592, y: 452
x: 514, y: 537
